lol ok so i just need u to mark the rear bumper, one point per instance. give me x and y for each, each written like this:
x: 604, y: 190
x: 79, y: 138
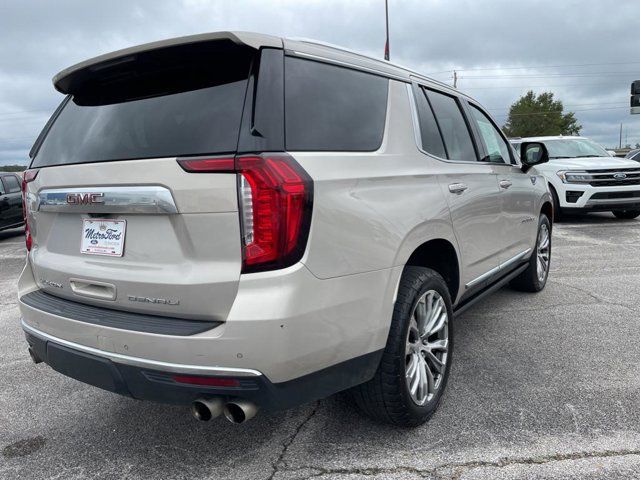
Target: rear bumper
x: 286, y: 324
x: 153, y: 381
x: 289, y: 338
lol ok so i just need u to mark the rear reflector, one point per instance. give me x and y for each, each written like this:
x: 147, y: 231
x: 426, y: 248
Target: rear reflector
x: 28, y: 176
x: 207, y: 381
x: 208, y: 165
x: 275, y: 196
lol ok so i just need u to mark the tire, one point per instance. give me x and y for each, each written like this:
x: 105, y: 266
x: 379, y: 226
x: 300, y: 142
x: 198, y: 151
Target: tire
x: 626, y: 214
x: 387, y: 396
x: 532, y: 280
x: 557, y: 211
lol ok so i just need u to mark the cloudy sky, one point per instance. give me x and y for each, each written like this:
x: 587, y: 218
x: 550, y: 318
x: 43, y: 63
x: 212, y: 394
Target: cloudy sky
x: 585, y: 51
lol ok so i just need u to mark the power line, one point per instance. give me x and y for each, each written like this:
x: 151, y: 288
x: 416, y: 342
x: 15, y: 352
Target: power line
x: 572, y: 105
x: 543, y: 86
x: 24, y: 111
x: 552, y: 75
x: 547, y: 112
x: 534, y: 67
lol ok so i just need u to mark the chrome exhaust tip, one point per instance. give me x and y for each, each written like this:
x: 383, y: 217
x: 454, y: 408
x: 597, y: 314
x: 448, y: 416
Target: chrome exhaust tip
x: 239, y: 411
x: 205, y: 409
x: 34, y: 357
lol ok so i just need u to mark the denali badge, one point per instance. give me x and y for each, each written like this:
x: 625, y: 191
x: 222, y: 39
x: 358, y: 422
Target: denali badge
x: 161, y: 301
x: 619, y: 176
x: 49, y: 283
x: 85, y: 198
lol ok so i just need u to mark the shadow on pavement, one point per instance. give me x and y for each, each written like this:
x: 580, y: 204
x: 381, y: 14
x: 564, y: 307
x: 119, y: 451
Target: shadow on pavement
x: 600, y: 218
x: 14, y: 232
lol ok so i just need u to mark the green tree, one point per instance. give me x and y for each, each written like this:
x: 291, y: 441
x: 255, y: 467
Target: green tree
x: 537, y: 115
x: 12, y: 168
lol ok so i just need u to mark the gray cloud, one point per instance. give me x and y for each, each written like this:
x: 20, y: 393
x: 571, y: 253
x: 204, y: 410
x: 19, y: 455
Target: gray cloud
x: 39, y: 38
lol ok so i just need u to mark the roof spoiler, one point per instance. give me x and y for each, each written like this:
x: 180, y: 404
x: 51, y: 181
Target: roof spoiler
x: 73, y: 79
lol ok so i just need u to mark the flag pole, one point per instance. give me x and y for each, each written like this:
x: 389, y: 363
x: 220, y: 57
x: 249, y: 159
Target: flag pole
x: 386, y: 45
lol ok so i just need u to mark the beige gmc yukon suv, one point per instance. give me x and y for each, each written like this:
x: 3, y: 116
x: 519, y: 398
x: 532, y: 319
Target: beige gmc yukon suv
x: 235, y: 221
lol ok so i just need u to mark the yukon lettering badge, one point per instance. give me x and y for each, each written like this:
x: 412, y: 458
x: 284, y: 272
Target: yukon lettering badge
x: 85, y: 198
x: 160, y: 301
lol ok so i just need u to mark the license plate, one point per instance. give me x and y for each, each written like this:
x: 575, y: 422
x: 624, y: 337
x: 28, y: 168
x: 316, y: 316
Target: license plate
x: 103, y: 237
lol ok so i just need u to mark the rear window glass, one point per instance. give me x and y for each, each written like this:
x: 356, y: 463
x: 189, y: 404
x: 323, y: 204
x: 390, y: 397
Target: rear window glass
x: 453, y: 126
x: 191, y: 121
x: 333, y: 108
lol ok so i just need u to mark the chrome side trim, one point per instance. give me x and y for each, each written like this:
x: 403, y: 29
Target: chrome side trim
x: 513, y: 260
x: 153, y: 200
x: 483, y: 277
x: 495, y: 270
x: 143, y: 362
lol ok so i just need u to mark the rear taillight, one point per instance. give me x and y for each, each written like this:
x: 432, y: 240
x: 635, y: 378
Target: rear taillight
x: 28, y: 176
x: 275, y: 196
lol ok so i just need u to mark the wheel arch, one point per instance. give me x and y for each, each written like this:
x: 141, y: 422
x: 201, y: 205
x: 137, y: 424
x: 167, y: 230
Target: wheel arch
x: 547, y: 209
x: 440, y: 255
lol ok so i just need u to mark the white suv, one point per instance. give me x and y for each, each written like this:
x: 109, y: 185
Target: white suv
x: 583, y: 177
x: 233, y: 221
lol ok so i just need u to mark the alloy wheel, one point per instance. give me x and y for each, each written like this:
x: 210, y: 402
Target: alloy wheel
x: 427, y: 347
x: 544, y: 250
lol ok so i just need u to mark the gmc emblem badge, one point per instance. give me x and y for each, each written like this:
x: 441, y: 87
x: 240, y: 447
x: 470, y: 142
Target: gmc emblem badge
x: 85, y: 198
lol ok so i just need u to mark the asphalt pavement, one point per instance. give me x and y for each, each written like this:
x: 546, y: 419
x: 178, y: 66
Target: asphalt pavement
x: 542, y: 386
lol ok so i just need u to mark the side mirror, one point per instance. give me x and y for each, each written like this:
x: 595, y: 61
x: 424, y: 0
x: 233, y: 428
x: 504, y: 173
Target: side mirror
x: 533, y: 153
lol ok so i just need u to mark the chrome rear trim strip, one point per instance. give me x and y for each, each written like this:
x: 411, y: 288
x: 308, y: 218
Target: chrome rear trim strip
x: 153, y: 200
x: 143, y: 362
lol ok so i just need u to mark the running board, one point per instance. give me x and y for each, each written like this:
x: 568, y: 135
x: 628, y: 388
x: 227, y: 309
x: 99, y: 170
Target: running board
x: 498, y: 284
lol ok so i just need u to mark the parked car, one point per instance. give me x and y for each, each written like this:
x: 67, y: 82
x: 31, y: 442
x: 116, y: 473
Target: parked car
x: 233, y: 221
x: 633, y: 155
x: 583, y: 177
x: 10, y: 201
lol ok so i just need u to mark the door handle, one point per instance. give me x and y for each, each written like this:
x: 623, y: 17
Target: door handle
x: 458, y: 188
x: 505, y: 184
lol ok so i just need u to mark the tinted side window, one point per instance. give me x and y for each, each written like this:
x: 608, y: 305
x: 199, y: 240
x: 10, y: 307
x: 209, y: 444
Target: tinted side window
x: 495, y: 146
x: 455, y: 132
x: 333, y: 108
x: 429, y: 131
x: 11, y: 184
